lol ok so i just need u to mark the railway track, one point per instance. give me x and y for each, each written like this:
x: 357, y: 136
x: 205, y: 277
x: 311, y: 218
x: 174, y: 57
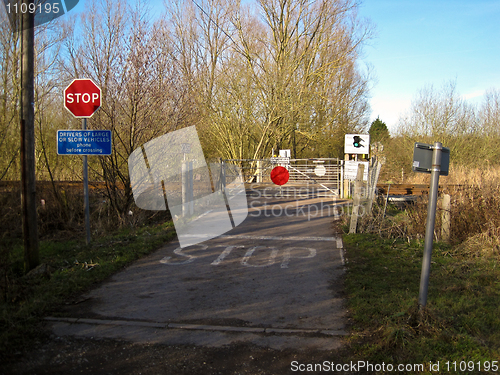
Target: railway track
x: 12, y: 186
x: 415, y: 189
x: 392, y: 189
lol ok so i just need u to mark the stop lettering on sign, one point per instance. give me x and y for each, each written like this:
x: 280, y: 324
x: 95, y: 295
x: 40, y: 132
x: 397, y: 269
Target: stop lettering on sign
x: 85, y: 97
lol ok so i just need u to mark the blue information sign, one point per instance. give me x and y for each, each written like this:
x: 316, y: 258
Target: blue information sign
x: 84, y: 142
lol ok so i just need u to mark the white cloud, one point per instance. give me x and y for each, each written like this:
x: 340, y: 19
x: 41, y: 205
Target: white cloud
x: 474, y: 94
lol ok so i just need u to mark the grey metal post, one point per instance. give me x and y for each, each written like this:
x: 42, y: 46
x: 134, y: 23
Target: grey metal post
x: 185, y: 187
x: 223, y: 175
x: 191, y: 187
x: 86, y: 190
x: 431, y: 219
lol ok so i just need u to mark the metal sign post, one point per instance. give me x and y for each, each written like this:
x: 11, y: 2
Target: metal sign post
x: 82, y: 98
x: 86, y: 190
x: 435, y: 171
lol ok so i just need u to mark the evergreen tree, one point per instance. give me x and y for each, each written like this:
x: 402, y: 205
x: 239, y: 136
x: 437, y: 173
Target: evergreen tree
x: 378, y: 131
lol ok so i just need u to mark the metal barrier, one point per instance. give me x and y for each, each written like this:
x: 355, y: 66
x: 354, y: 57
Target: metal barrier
x: 253, y: 170
x: 325, y: 174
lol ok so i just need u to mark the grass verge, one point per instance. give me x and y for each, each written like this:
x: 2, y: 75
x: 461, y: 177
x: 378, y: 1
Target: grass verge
x: 460, y: 327
x: 74, y: 267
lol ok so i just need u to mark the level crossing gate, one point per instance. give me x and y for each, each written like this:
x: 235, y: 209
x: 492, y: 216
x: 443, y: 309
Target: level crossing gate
x: 325, y: 175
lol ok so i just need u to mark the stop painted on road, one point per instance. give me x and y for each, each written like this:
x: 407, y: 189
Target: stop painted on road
x: 254, y: 256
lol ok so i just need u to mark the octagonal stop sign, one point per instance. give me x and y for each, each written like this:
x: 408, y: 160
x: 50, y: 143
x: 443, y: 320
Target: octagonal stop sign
x: 82, y: 98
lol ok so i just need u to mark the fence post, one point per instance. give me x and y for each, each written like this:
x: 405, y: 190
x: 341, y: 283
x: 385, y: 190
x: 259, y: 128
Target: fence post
x: 341, y: 162
x: 357, y: 198
x: 185, y: 187
x: 347, y: 183
x: 191, y: 187
x: 259, y: 171
x: 445, y: 217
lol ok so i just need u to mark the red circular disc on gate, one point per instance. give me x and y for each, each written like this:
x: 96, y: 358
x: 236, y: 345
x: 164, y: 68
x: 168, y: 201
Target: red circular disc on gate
x: 280, y: 175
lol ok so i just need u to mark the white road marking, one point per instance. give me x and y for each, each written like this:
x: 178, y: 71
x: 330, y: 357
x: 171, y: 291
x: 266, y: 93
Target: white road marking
x: 224, y: 254
x: 249, y: 253
x: 272, y: 238
x: 178, y: 251
x: 287, y: 256
x: 274, y: 251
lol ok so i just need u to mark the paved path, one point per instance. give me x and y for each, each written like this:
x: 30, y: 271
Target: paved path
x: 275, y: 281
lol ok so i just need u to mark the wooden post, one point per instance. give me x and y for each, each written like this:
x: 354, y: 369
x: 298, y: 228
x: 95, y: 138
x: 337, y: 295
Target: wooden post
x: 357, y: 198
x: 259, y: 171
x: 341, y: 176
x: 386, y: 199
x: 347, y: 186
x: 445, y: 218
x: 27, y: 120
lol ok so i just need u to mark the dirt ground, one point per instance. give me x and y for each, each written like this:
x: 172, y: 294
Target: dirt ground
x: 69, y: 355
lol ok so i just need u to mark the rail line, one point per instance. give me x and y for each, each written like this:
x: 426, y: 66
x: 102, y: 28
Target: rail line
x: 393, y: 189
x: 415, y: 189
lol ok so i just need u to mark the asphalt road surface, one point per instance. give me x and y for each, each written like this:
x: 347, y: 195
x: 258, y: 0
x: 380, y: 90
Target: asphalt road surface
x: 273, y: 281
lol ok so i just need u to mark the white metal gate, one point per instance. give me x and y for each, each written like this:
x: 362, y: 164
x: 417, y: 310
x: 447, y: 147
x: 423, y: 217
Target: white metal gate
x: 323, y: 174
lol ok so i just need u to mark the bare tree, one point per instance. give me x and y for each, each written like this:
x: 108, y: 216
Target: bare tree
x: 294, y: 57
x: 9, y: 99
x: 142, y: 97
x: 489, y: 114
x: 444, y: 115
x: 439, y: 113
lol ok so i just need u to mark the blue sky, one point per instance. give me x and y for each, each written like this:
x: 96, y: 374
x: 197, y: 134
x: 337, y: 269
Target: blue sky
x: 421, y: 43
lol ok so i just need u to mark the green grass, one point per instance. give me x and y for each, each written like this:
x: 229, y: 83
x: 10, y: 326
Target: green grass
x: 75, y: 268
x: 461, y: 321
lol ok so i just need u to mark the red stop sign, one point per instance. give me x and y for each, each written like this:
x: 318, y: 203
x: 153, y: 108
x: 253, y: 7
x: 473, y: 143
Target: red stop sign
x: 82, y: 98
x: 280, y: 175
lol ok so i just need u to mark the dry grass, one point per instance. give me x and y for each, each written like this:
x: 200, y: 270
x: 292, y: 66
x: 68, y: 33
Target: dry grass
x: 486, y: 176
x: 475, y: 213
x: 484, y: 244
x: 60, y: 213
